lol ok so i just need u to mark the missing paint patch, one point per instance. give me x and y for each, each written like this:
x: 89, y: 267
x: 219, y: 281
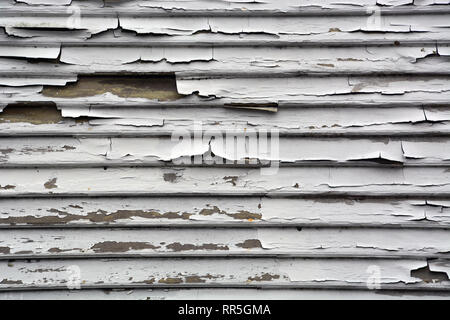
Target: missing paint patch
x: 31, y: 113
x: 51, y: 184
x: 152, y: 87
x: 428, y: 276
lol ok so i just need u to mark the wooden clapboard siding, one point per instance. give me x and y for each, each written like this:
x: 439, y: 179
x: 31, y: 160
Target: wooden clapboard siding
x: 157, y: 151
x: 96, y: 193
x: 220, y: 294
x: 256, y: 242
x: 238, y: 212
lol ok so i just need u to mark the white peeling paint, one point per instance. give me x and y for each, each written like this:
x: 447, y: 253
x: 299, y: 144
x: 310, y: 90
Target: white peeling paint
x: 357, y: 91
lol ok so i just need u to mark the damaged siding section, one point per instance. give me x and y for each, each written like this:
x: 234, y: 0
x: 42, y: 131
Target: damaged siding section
x: 94, y: 184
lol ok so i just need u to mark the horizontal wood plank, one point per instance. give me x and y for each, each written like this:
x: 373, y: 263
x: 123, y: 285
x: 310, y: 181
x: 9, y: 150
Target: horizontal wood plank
x: 236, y: 212
x: 398, y: 181
x: 260, y: 150
x: 171, y: 243
x: 243, y: 273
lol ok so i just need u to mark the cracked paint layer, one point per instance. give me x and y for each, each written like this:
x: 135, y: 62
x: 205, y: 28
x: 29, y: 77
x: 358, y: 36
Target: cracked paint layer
x: 212, y: 211
x: 285, y: 272
x: 91, y: 93
x: 309, y: 242
x: 247, y: 181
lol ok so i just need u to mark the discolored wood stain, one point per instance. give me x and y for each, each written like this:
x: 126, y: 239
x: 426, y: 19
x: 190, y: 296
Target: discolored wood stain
x: 240, y: 215
x: 264, y: 277
x: 51, y: 184
x: 101, y: 216
x: 7, y: 187
x: 113, y: 246
x: 177, y: 247
x: 250, y: 244
x: 5, y: 250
